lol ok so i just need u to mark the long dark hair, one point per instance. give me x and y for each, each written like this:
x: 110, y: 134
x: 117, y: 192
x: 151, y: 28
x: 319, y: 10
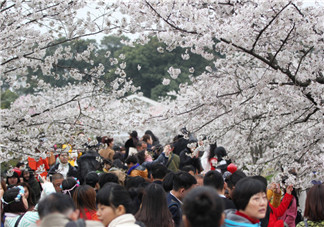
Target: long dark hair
x: 154, y: 138
x: 212, y: 148
x: 154, y: 210
x: 84, y: 196
x: 31, y: 197
x: 314, y: 205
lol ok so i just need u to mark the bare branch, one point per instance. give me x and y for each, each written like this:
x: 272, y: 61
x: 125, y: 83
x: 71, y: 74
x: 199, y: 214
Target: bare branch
x: 266, y: 27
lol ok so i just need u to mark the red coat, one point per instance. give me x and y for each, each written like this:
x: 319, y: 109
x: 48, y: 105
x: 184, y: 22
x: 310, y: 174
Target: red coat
x: 279, y: 211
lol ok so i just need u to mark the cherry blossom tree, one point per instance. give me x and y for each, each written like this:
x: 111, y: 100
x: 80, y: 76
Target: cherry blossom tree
x: 264, y: 100
x: 55, y: 115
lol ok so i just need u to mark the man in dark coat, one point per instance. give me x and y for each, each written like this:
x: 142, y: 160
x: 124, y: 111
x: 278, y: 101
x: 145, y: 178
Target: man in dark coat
x: 90, y: 161
x: 182, y: 183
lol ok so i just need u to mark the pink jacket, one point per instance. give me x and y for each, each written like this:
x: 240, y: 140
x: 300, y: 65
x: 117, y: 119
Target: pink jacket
x: 290, y: 215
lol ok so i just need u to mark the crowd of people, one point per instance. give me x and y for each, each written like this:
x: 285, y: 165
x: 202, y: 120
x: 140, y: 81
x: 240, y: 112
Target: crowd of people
x: 142, y: 183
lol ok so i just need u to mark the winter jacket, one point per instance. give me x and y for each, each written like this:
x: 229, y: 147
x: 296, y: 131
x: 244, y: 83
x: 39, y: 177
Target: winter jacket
x: 72, y: 172
x: 279, y: 211
x: 138, y: 170
x: 289, y: 216
x: 107, y: 153
x: 125, y: 220
x: 234, y: 220
x: 175, y: 209
x: 88, y: 162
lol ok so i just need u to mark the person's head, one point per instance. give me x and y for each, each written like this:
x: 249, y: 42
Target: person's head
x: 141, y: 146
x: 233, y: 179
x: 154, y: 209
x: 20, y: 165
x: 314, y: 205
x: 120, y: 174
x: 57, y: 203
x: 26, y: 175
x: 159, y: 171
x: 131, y: 161
x: 29, y: 193
x: 113, y: 200
x: 182, y: 183
x: 250, y: 198
x: 151, y: 134
x: 133, y: 134
x: 168, y: 181
x: 189, y: 169
x: 202, y: 206
x: 220, y: 152
x: 64, y: 157
x: 69, y: 185
x: 92, y: 179
x: 108, y: 141
x: 84, y: 196
x: 107, y: 177
x: 134, y: 182
x: 147, y: 139
x: 214, y: 179
x: 107, y: 164
x: 14, y: 200
x: 12, y: 178
x: 57, y: 180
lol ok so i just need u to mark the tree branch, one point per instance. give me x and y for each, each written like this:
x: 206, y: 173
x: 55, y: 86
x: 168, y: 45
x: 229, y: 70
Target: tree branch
x: 265, y: 28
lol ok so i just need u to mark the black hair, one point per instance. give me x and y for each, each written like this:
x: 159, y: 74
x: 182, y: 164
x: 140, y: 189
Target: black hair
x: 107, y: 177
x: 212, y: 148
x: 168, y: 181
x: 220, y: 152
x: 11, y: 205
x: 131, y: 182
x: 159, y: 171
x: 188, y: 168
x: 154, y: 138
x: 234, y: 178
x: 55, y: 202
x: 131, y: 159
x: 214, y: 179
x: 91, y: 179
x: 184, y: 180
x: 245, y: 189
x: 13, y: 175
x: 261, y: 178
x: 202, y: 206
x: 113, y: 195
x: 69, y: 185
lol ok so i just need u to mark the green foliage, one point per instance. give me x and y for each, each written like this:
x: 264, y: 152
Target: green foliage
x: 7, y: 98
x: 154, y: 66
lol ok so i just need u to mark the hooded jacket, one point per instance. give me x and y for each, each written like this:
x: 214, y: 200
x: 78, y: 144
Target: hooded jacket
x: 234, y: 220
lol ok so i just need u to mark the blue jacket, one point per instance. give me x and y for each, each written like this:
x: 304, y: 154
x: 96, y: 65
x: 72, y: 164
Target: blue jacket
x: 234, y: 220
x: 175, y: 209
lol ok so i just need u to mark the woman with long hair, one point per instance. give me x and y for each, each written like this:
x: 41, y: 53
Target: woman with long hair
x: 15, y: 206
x: 84, y: 198
x: 115, y: 206
x: 29, y: 177
x: 29, y: 195
x: 154, y: 210
x: 314, y: 207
